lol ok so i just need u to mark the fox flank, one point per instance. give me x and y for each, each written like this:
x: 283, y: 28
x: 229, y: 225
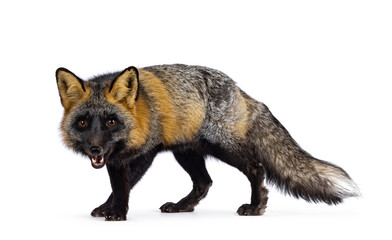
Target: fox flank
x: 124, y: 119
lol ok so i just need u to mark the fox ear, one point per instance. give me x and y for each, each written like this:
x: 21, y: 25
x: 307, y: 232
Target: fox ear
x: 71, y: 88
x: 125, y: 87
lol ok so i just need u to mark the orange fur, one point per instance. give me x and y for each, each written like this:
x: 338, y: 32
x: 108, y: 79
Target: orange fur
x: 157, y: 91
x: 178, y: 125
x: 241, y: 126
x: 190, y: 118
x: 138, y: 112
x: 141, y: 119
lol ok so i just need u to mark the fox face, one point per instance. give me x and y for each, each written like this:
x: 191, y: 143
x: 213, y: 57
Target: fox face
x: 97, y: 118
x: 95, y: 133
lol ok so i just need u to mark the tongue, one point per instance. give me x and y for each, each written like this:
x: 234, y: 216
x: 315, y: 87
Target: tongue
x: 97, y: 161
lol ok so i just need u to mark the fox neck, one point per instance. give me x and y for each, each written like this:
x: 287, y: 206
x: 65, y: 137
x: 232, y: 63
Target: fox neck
x: 141, y: 115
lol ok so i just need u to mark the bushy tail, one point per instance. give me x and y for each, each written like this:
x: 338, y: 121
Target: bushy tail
x: 295, y: 171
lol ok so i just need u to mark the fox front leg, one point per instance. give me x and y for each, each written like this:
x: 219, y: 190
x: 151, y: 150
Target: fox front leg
x: 102, y: 209
x: 120, y: 182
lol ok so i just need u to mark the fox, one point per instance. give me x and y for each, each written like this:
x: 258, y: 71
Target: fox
x: 123, y: 119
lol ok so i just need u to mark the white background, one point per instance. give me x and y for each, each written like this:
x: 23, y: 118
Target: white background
x: 322, y: 67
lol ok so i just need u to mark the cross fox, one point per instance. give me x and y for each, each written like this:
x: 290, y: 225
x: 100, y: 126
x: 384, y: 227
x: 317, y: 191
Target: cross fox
x: 124, y: 119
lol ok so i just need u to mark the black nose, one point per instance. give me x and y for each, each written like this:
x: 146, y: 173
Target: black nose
x: 95, y: 150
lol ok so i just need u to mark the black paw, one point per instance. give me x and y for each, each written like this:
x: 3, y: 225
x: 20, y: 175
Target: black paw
x: 100, y: 211
x: 251, y: 210
x: 170, y: 207
x: 115, y: 215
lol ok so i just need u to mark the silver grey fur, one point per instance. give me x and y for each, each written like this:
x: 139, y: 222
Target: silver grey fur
x: 287, y: 166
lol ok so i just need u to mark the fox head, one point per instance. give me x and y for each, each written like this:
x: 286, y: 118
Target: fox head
x: 98, y: 114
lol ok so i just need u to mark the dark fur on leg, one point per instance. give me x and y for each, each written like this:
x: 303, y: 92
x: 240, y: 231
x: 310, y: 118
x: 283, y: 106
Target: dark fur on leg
x: 194, y: 164
x: 119, y: 180
x: 259, y: 196
x: 244, y: 159
x: 131, y: 173
x: 101, y: 210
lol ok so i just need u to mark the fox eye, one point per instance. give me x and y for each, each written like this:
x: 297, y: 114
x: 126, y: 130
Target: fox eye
x: 111, y: 122
x: 83, y: 123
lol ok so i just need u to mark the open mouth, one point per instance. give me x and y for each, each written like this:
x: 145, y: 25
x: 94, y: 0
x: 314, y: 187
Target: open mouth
x: 97, y: 161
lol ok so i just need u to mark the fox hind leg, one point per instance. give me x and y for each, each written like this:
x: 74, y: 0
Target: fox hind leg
x: 259, y: 198
x: 244, y: 161
x: 194, y: 164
